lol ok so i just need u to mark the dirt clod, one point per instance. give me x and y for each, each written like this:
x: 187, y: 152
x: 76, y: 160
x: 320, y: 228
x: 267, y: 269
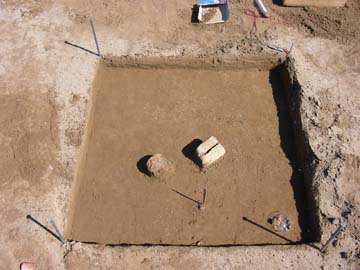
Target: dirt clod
x: 209, y: 13
x: 280, y: 222
x: 340, y: 24
x: 159, y: 166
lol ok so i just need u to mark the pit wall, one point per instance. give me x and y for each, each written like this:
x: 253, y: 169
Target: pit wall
x: 82, y: 153
x: 265, y: 62
x: 306, y: 159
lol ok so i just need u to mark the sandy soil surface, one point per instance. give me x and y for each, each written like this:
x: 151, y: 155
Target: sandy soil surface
x: 140, y: 112
x: 45, y: 86
x: 340, y: 24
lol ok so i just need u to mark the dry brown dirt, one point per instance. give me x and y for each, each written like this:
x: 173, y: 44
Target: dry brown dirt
x: 45, y: 87
x: 139, y: 112
x: 340, y: 24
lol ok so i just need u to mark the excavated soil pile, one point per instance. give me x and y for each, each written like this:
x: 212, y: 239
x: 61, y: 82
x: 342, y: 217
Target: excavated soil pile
x: 139, y: 112
x: 341, y: 24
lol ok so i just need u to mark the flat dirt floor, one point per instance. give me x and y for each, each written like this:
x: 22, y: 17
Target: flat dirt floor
x: 140, y: 112
x: 48, y: 63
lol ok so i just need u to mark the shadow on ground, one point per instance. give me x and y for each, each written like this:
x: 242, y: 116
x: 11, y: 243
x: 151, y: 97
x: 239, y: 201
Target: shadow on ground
x: 289, y: 148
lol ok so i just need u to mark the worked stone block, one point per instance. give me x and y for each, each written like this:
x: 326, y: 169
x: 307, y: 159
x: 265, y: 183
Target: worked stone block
x: 210, y: 151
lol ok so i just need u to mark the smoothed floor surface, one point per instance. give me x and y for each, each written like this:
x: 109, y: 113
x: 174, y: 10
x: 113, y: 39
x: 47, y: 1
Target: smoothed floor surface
x: 138, y: 112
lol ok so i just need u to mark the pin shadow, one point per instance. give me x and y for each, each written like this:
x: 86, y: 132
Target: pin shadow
x: 187, y: 197
x: 44, y: 227
x: 268, y: 230
x: 278, y: 235
x: 79, y: 47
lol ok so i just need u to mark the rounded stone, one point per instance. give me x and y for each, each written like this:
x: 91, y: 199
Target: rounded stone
x: 280, y: 222
x: 158, y: 166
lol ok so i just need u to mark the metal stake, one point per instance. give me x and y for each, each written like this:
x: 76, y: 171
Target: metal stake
x: 94, y: 34
x: 201, y: 206
x: 204, y: 196
x: 52, y: 222
x: 335, y: 234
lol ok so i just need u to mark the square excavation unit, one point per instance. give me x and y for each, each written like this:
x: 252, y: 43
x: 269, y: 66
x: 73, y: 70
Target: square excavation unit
x: 252, y: 195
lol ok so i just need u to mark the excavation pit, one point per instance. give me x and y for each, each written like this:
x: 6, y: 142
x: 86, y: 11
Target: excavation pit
x: 137, y: 111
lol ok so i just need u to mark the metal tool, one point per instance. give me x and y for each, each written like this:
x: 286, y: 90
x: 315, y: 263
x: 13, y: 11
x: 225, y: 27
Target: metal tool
x: 262, y: 8
x: 332, y: 237
x: 43, y: 227
x: 279, y: 49
x: 52, y: 222
x: 201, y: 205
x: 94, y: 34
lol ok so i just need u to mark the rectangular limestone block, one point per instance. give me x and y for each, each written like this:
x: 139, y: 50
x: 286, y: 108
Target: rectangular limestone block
x: 206, y: 146
x: 215, y: 154
x: 210, y: 151
x: 315, y: 3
